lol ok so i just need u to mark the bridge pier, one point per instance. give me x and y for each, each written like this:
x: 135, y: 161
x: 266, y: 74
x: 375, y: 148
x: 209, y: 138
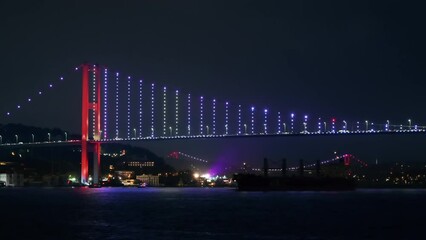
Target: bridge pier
x: 84, y: 163
x: 84, y: 124
x: 96, y: 163
x: 86, y: 108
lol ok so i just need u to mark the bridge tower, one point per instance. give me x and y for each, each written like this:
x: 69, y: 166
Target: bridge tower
x: 90, y: 104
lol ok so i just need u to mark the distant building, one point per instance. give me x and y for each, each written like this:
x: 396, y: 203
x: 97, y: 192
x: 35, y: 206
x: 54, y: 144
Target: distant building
x: 150, y: 180
x: 123, y: 175
x: 12, y: 179
x: 140, y: 164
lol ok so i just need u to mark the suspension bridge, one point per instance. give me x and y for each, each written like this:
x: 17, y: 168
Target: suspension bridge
x: 117, y: 108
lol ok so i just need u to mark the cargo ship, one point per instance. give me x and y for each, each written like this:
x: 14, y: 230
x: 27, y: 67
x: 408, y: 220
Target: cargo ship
x: 252, y: 182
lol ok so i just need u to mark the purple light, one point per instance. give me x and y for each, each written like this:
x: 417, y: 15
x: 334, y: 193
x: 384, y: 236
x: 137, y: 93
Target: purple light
x: 214, y: 116
x: 152, y: 109
x: 39, y: 93
x: 164, y: 110
x: 29, y: 99
x: 50, y: 85
x: 189, y: 114
x: 105, y: 102
x: 252, y: 120
x: 8, y: 113
x: 19, y: 106
x: 62, y: 78
x: 201, y: 115
x: 128, y: 106
x: 226, y: 117
x: 140, y: 107
x: 265, y: 124
x: 177, y: 112
x: 239, y: 119
x: 116, y: 104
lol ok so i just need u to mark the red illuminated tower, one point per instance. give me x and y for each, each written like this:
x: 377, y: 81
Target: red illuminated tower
x: 95, y: 106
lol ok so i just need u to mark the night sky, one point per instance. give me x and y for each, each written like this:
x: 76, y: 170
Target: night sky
x: 359, y: 60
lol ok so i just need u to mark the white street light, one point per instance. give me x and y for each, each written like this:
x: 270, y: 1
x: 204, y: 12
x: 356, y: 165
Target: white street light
x: 32, y: 138
x: 345, y: 126
x: 16, y: 138
x: 409, y: 124
x: 66, y: 136
x: 48, y: 137
x: 134, y: 132
x: 245, y: 128
x: 325, y: 127
x: 366, y: 125
x: 207, y: 129
x: 285, y: 130
x: 387, y: 125
x: 171, y: 131
x: 1, y: 139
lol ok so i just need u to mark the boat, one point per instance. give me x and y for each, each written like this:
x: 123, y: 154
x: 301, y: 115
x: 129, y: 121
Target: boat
x: 95, y: 185
x: 251, y: 182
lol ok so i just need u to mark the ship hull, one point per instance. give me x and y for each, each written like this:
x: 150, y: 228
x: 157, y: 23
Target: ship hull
x: 249, y: 182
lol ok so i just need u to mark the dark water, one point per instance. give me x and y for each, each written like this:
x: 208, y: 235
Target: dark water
x: 206, y: 213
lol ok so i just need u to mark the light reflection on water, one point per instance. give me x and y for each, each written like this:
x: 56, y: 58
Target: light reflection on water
x: 211, y: 213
